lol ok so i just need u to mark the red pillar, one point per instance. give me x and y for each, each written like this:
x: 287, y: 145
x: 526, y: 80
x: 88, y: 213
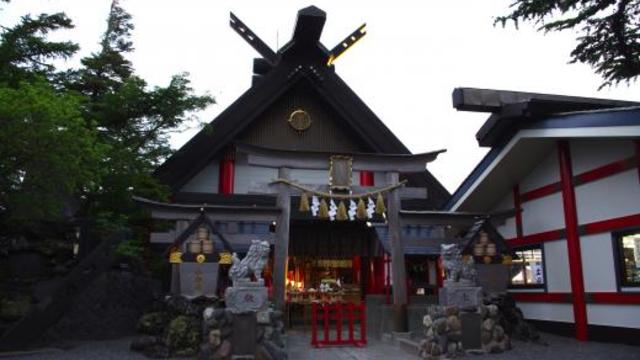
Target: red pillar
x: 355, y: 268
x: 227, y: 173
x: 366, y: 178
x: 573, y: 240
x: 517, y: 204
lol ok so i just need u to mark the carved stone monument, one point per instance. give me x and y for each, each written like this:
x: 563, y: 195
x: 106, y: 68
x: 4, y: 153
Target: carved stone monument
x: 459, y: 287
x: 246, y: 295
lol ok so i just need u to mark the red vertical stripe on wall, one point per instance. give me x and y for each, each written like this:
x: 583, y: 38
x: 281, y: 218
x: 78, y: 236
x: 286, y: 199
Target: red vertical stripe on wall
x: 366, y: 178
x: 573, y: 240
x: 637, y: 144
x: 517, y: 204
x: 227, y: 174
x: 355, y: 268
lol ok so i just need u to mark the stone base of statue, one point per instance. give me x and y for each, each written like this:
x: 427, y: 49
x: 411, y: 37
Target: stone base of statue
x: 461, y: 294
x: 246, y: 296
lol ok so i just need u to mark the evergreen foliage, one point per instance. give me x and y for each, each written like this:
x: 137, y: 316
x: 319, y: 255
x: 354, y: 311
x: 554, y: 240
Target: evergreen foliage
x: 81, y: 142
x: 608, y: 32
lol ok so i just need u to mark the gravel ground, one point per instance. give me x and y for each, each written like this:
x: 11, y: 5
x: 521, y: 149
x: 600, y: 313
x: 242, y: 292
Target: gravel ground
x: 558, y: 347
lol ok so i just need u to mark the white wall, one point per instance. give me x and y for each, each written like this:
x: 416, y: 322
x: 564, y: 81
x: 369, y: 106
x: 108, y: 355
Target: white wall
x: 588, y: 154
x: 248, y: 176
x: 542, y: 214
x: 611, y: 197
x: 598, y: 263
x: 547, y: 311
x: 206, y: 181
x: 508, y: 228
x: 556, y: 262
x: 545, y: 173
x: 614, y: 315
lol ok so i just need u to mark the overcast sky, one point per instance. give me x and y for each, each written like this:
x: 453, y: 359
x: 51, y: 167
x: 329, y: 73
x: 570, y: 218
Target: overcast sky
x: 414, y: 54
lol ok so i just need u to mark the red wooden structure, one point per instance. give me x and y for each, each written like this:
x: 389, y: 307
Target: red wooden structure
x: 333, y: 316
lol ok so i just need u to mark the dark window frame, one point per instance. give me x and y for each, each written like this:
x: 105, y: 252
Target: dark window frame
x: 619, y: 257
x: 544, y: 268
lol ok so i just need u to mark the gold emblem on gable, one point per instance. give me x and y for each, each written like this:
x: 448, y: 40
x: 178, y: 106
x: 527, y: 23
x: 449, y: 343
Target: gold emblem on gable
x: 299, y: 120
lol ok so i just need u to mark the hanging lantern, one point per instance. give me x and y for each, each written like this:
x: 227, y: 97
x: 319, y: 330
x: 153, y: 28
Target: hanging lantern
x: 323, y: 212
x: 342, y: 212
x: 304, y: 203
x: 380, y: 208
x: 361, y: 212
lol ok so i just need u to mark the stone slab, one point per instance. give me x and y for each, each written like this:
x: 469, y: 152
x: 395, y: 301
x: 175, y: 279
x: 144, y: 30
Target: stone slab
x: 198, y: 279
x: 243, y: 337
x: 240, y: 300
x: 461, y: 296
x: 493, y: 278
x: 471, y: 327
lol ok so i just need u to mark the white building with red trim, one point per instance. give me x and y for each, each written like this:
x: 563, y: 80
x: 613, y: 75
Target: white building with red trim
x: 571, y: 168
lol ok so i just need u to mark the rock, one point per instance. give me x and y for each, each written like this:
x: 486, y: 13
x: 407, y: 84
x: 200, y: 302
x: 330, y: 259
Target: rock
x: 207, y: 313
x: 225, y: 332
x: 495, y: 348
x: 263, y: 317
x: 482, y: 309
x: 485, y: 336
x: 440, y: 326
x: 215, y: 337
x: 223, y: 352
x: 262, y: 353
x: 498, y: 333
x: 427, y: 321
x: 452, y: 349
x: 276, y: 352
x: 488, y: 324
x: 153, y: 323
x: 429, y: 333
x: 492, y: 310
x: 454, y: 336
x: 183, y: 336
x: 453, y: 323
x: 451, y: 311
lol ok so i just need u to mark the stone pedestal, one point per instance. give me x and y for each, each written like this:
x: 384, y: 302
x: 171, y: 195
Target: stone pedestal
x: 464, y: 297
x: 243, y: 338
x: 245, y: 297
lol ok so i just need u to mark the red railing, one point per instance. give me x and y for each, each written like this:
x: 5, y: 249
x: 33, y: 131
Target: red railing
x: 331, y: 318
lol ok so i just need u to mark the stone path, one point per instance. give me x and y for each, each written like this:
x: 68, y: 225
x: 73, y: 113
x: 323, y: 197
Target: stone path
x: 558, y: 347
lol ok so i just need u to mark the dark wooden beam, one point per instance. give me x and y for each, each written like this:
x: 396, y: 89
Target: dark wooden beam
x: 346, y: 43
x: 253, y: 39
x: 317, y: 160
x: 488, y: 100
x: 309, y: 25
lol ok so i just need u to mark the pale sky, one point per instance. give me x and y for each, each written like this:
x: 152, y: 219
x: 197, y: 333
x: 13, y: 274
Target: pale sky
x: 413, y: 56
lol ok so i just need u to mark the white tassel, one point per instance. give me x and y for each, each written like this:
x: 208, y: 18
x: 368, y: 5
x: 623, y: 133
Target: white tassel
x: 371, y: 208
x: 333, y: 210
x: 315, y: 205
x: 353, y: 209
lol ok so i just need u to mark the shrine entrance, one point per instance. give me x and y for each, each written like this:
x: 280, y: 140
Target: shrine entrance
x: 331, y: 263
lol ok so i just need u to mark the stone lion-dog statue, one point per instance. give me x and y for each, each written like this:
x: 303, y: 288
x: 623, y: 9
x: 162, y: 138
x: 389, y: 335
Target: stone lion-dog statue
x: 253, y: 263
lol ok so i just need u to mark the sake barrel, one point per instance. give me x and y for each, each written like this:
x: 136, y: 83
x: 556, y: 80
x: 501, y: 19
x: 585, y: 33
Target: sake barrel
x: 484, y: 238
x: 478, y: 249
x: 202, y: 234
x: 195, y: 247
x: 207, y: 247
x: 491, y: 249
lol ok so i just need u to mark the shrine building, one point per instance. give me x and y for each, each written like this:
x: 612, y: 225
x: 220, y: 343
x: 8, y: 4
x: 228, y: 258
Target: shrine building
x: 299, y: 160
x: 570, y: 166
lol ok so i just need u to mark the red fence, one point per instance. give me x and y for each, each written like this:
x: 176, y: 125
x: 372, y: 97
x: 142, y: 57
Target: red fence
x: 332, y: 317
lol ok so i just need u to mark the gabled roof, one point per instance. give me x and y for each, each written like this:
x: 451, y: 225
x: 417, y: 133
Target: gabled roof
x: 523, y: 126
x: 303, y: 59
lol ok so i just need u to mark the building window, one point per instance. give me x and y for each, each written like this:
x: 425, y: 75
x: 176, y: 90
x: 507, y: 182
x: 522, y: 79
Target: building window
x: 527, y: 269
x: 629, y: 257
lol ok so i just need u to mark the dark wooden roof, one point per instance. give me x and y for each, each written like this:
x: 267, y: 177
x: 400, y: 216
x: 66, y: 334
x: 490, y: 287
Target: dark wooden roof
x: 302, y: 60
x: 511, y: 110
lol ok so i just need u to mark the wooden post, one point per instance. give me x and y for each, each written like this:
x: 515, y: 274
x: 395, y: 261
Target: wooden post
x: 573, y: 240
x: 281, y: 249
x: 397, y: 255
x: 181, y: 225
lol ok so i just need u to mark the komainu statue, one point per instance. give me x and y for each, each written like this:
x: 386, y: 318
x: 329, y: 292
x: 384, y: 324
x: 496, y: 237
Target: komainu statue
x: 456, y: 268
x: 253, y: 263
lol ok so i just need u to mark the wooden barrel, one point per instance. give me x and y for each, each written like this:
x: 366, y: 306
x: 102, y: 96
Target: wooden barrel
x: 484, y: 238
x: 202, y: 234
x: 491, y: 249
x: 478, y: 250
x: 207, y: 247
x: 195, y: 247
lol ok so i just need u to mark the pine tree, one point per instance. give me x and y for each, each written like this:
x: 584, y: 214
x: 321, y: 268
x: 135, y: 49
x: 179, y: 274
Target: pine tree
x: 608, y: 32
